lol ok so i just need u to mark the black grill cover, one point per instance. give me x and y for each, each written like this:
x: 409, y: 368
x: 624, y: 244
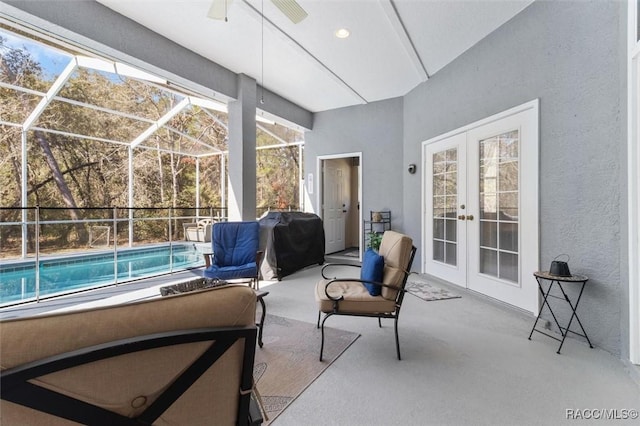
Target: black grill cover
x: 291, y: 241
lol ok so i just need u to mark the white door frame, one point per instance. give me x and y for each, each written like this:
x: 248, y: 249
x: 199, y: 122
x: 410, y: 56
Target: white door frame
x: 633, y: 162
x: 320, y: 190
x: 533, y: 187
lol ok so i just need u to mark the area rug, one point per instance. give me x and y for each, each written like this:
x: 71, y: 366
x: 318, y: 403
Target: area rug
x: 419, y: 286
x: 288, y: 362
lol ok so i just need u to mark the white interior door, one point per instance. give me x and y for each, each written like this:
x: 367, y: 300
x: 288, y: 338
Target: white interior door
x: 334, y: 206
x: 487, y: 240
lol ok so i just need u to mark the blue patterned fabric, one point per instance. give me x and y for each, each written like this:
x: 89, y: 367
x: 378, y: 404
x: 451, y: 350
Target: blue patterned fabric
x: 235, y: 245
x: 372, y: 270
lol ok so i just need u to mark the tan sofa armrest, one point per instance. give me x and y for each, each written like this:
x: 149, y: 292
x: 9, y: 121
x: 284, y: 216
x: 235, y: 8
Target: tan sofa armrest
x: 45, y: 340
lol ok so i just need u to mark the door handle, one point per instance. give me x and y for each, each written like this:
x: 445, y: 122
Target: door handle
x: 462, y: 217
x: 470, y: 217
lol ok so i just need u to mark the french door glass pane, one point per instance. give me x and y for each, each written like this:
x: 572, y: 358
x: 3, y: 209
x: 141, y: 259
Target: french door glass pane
x: 508, y: 206
x: 450, y: 254
x: 445, y: 206
x: 488, y: 206
x: 439, y: 162
x: 438, y: 251
x: 438, y: 184
x: 452, y: 184
x: 452, y: 158
x: 438, y: 206
x: 438, y: 229
x: 499, y: 205
x: 488, y: 234
x: 451, y: 229
x: 509, y: 266
x: 508, y: 176
x: 509, y: 236
x: 451, y: 206
x: 489, y: 262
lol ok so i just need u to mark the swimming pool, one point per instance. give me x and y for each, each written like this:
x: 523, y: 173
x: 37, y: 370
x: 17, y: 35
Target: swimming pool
x: 79, y: 272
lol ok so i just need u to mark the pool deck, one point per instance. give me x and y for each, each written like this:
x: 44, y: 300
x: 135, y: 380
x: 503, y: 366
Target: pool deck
x: 123, y: 293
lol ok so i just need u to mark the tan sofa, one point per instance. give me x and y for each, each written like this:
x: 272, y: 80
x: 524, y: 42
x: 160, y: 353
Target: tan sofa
x: 181, y: 360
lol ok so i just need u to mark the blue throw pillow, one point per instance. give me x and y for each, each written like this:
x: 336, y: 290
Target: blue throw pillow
x: 372, y: 270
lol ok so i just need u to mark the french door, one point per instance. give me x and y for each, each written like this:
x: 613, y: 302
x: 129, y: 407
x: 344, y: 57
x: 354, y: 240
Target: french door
x: 446, y: 245
x: 481, y: 206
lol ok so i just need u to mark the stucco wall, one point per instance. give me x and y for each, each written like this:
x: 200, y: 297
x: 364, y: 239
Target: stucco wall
x: 376, y: 131
x: 569, y: 55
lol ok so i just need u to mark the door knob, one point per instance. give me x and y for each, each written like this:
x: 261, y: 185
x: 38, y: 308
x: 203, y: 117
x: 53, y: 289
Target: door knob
x: 462, y: 217
x: 470, y: 217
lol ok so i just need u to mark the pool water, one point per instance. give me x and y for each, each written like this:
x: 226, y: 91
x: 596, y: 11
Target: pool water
x: 64, y: 275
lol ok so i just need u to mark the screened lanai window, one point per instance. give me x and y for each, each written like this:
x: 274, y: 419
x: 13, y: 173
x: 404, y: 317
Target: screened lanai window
x: 279, y: 158
x: 75, y: 129
x: 81, y: 132
x: 110, y: 174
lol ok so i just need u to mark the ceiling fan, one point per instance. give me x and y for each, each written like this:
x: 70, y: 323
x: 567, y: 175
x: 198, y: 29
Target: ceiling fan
x: 290, y: 8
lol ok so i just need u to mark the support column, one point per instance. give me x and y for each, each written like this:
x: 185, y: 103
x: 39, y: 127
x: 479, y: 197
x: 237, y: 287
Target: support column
x: 130, y: 202
x: 198, y: 188
x: 24, y: 198
x: 223, y: 184
x: 242, y: 151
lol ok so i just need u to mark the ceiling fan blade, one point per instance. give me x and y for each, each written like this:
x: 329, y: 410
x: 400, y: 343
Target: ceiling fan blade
x: 218, y: 9
x: 291, y: 9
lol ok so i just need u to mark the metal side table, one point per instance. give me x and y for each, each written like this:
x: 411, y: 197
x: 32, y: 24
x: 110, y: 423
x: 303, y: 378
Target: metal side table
x: 555, y: 279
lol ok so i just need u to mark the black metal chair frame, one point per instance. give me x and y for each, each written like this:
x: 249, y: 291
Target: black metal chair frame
x: 336, y: 301
x: 254, y: 282
x: 15, y: 385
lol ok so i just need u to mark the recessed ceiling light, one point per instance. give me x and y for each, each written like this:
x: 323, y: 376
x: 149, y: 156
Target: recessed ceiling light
x: 342, y: 33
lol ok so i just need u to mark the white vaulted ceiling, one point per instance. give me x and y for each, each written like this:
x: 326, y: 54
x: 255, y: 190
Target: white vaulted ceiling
x: 394, y: 44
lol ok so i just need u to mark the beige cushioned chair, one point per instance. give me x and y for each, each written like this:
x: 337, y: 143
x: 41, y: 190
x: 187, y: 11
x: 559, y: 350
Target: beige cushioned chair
x: 178, y: 360
x: 348, y: 296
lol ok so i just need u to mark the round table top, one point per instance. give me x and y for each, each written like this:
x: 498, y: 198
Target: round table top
x: 573, y: 278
